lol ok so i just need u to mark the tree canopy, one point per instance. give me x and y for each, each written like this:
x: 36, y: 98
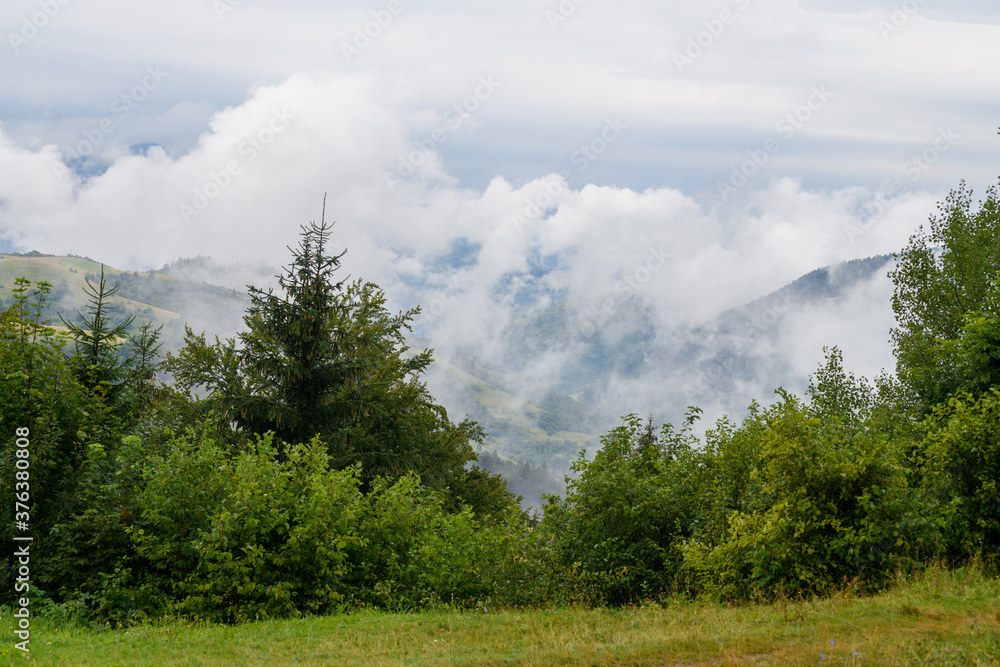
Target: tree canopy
x: 324, y: 358
x: 946, y: 299
x: 303, y: 466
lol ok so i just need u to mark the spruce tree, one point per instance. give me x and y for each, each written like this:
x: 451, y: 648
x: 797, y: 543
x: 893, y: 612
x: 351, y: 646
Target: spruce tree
x: 324, y: 358
x: 97, y: 340
x: 295, y: 358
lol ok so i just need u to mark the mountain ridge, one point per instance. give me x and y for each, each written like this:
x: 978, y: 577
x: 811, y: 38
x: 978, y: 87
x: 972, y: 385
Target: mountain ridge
x: 545, y: 420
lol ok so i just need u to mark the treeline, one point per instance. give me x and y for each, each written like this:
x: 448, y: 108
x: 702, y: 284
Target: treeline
x: 303, y: 468
x: 149, y: 287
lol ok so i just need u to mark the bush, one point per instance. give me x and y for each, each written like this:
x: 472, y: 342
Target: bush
x: 228, y: 537
x: 835, y: 503
x: 416, y: 553
x: 621, y: 524
x: 961, y: 455
x: 248, y: 536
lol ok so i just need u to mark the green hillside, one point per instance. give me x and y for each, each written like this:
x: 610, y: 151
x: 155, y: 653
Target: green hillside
x: 166, y: 300
x: 553, y: 430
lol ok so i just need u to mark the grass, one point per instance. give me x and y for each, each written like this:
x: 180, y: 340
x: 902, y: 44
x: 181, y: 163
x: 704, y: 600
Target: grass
x: 57, y: 269
x: 939, y: 618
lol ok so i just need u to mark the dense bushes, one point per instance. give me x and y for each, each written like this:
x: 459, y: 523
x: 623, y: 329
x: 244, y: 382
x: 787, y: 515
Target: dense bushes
x: 834, y: 504
x: 327, y: 478
x: 231, y: 536
x: 798, y: 498
x: 624, y: 515
x: 245, y: 536
x: 961, y: 453
x: 39, y: 392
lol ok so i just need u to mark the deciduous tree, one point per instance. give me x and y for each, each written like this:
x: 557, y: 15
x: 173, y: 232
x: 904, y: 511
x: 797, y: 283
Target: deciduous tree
x: 945, y: 274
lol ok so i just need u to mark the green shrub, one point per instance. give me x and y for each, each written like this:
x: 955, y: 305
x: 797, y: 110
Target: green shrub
x: 621, y: 523
x: 90, y: 545
x: 416, y: 553
x: 836, y: 503
x: 961, y: 455
x: 231, y: 538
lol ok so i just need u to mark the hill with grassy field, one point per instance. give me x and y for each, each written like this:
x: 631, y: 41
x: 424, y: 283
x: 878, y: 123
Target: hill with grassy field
x: 311, y: 470
x: 166, y: 300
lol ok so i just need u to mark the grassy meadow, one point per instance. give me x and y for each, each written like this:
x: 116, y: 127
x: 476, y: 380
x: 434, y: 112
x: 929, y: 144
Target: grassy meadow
x: 939, y: 618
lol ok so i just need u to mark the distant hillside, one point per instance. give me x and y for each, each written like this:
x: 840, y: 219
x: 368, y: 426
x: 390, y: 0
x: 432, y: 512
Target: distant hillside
x: 595, y: 377
x: 737, y: 347
x: 167, y: 300
x: 599, y: 376
x: 552, y: 431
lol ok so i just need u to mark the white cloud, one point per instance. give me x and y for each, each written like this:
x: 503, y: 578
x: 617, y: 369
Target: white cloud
x: 503, y: 171
x: 261, y: 169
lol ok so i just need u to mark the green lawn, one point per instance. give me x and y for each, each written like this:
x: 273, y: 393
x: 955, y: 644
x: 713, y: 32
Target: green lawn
x: 941, y: 618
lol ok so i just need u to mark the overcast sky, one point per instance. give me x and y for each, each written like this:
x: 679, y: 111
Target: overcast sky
x: 709, y: 151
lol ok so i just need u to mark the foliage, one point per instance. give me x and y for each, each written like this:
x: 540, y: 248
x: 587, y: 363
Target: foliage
x: 943, y: 275
x: 835, y: 500
x: 304, y: 468
x: 112, y: 359
x: 261, y: 537
x: 330, y: 361
x: 295, y: 359
x: 626, y: 511
x: 415, y: 553
x: 283, y: 373
x: 39, y: 391
x: 89, y: 545
x: 961, y: 454
x: 732, y: 482
x: 973, y: 356
x: 397, y: 427
x: 97, y: 340
x: 255, y: 537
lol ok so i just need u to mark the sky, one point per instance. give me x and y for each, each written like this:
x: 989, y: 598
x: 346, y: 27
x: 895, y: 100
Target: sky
x: 479, y: 158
